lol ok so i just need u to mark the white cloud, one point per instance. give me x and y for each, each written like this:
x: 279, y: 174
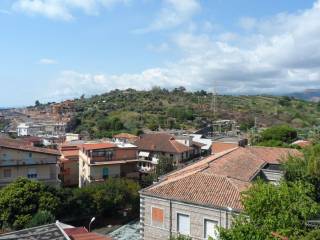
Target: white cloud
x: 62, y: 9
x: 280, y: 54
x: 247, y: 23
x: 47, y: 61
x: 172, y: 14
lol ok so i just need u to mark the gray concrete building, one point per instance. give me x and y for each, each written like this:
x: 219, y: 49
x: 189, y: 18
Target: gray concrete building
x: 197, y: 199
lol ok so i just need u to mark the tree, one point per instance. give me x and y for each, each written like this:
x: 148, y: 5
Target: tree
x: 180, y: 237
x: 22, y: 199
x: 268, y: 208
x: 164, y: 166
x: 279, y: 135
x: 37, y: 103
x: 42, y: 217
x: 305, y: 168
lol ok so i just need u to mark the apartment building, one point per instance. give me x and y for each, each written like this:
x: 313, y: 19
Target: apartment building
x: 153, y: 146
x: 69, y: 164
x: 18, y: 159
x: 195, y: 200
x: 99, y: 161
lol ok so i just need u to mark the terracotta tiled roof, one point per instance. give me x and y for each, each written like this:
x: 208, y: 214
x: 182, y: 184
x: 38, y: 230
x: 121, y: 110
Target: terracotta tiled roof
x: 89, y: 236
x: 219, y: 179
x: 16, y: 144
x: 302, y: 143
x: 75, y: 230
x: 161, y: 142
x: 70, y: 153
x: 218, y: 147
x: 214, y: 190
x: 81, y: 233
x: 93, y: 146
x: 125, y: 135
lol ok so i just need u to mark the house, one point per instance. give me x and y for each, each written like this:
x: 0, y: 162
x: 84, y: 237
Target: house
x: 207, y: 143
x: 224, y: 143
x: 152, y: 146
x: 23, y: 130
x: 125, y: 138
x: 54, y: 231
x: 196, y: 199
x: 18, y: 159
x: 101, y: 160
x: 69, y: 164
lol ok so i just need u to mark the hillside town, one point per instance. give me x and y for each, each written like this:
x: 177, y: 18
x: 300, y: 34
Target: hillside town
x: 190, y: 183
x: 159, y: 120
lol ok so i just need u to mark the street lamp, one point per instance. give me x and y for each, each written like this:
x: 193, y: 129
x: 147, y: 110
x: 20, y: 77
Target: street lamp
x: 92, y: 220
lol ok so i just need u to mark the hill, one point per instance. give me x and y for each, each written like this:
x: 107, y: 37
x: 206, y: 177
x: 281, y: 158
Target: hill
x: 308, y: 94
x: 131, y: 110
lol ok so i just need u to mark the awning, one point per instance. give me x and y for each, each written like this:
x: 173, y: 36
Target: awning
x: 144, y: 154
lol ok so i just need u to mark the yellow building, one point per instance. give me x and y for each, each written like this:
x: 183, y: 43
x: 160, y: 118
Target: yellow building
x: 18, y: 159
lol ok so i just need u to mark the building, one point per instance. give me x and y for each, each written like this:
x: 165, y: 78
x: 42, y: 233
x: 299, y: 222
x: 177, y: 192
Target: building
x: 224, y: 143
x: 69, y: 164
x: 125, y: 138
x: 207, y: 143
x: 99, y: 161
x: 42, y: 129
x: 196, y: 199
x: 23, y: 130
x: 153, y: 146
x: 18, y: 159
x: 54, y: 231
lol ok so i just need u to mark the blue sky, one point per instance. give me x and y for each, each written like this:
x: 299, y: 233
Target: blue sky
x: 58, y: 49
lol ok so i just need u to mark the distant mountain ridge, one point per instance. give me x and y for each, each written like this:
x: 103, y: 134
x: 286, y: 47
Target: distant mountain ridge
x: 308, y: 94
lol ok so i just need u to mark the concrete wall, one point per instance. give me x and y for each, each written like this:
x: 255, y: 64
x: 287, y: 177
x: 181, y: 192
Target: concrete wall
x: 97, y: 171
x: 20, y: 163
x: 197, y: 214
x: 70, y: 173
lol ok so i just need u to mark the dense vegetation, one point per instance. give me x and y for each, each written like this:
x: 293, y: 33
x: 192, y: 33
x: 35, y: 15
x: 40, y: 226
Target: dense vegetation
x: 133, y: 111
x: 25, y: 203
x: 275, y: 136
x: 283, y: 209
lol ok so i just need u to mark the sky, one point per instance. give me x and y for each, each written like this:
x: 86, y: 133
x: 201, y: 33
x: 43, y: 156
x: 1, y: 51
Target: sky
x: 52, y: 50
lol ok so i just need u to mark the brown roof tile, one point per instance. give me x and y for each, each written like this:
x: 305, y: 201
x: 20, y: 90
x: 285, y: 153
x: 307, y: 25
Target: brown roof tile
x: 16, y: 144
x: 94, y: 146
x: 161, y: 142
x: 125, y: 135
x: 219, y: 179
x: 218, y: 147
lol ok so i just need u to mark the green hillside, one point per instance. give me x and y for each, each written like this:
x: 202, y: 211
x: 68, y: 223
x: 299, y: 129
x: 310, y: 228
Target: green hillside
x: 133, y: 111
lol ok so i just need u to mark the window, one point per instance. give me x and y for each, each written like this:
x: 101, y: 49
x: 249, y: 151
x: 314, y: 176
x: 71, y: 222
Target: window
x: 210, y: 229
x: 157, y: 216
x: 32, y: 173
x: 30, y: 155
x: 7, y: 173
x: 183, y: 224
x: 105, y: 172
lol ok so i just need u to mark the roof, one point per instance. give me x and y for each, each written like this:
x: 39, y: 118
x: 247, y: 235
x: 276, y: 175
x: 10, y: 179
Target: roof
x: 95, y: 146
x: 125, y: 135
x: 219, y: 179
x: 89, y: 236
x: 302, y: 143
x: 70, y: 153
x: 18, y: 145
x: 222, y: 146
x: 44, y: 232
x: 81, y: 233
x: 160, y: 142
